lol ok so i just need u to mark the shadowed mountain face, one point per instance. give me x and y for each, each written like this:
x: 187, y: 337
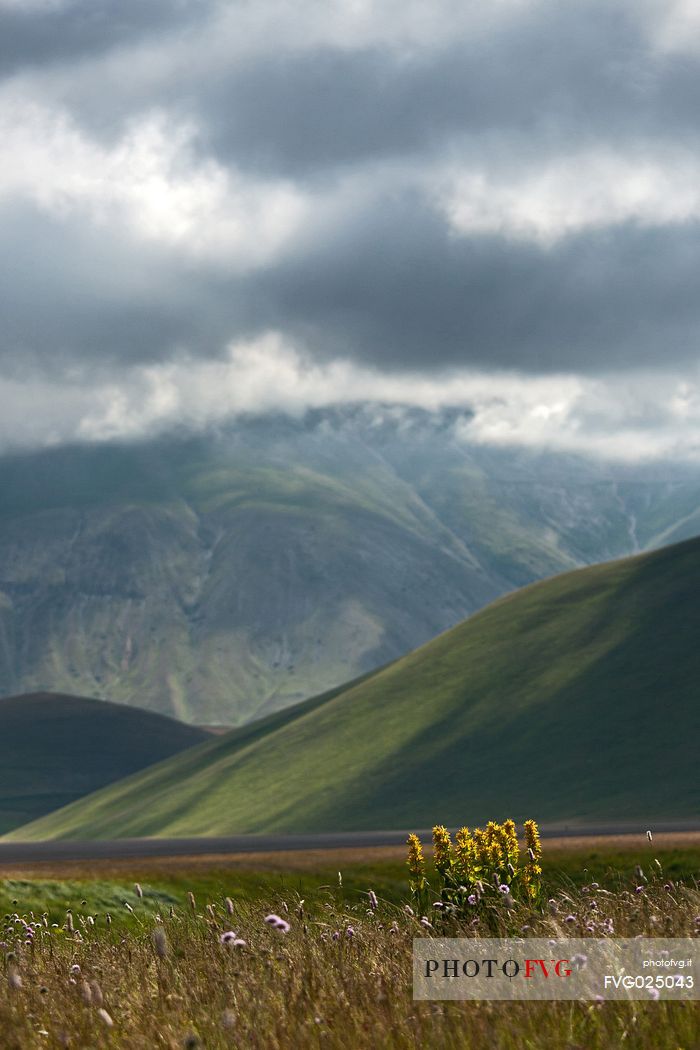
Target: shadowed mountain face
x: 574, y: 699
x: 56, y: 748
x: 224, y: 578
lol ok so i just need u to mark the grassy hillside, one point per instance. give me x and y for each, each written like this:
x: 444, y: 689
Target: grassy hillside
x: 57, y: 748
x: 222, y: 578
x: 574, y: 699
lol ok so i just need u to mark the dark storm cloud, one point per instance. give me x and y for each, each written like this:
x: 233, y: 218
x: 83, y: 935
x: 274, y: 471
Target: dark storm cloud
x: 399, y: 290
x: 386, y: 281
x: 83, y: 28
x: 71, y: 296
x: 544, y: 79
x: 561, y: 77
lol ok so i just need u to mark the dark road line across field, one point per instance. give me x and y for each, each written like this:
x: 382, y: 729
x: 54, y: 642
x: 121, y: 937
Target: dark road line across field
x: 113, y: 849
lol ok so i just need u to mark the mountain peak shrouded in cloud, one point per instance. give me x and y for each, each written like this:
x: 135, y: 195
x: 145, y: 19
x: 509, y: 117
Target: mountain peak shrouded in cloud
x: 211, y: 209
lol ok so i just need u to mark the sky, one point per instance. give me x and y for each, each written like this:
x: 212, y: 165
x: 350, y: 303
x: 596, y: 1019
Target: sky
x: 209, y: 209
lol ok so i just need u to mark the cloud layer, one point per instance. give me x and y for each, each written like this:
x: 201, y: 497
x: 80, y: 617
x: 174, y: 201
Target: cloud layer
x: 493, y: 203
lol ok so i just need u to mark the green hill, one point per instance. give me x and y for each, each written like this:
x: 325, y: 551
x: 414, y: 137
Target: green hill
x: 573, y: 699
x: 57, y: 748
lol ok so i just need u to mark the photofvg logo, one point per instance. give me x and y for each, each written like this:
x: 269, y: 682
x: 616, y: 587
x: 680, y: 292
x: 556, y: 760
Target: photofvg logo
x: 566, y: 968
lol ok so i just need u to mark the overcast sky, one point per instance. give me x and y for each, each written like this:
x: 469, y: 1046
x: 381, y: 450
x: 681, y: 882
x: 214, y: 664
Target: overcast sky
x: 209, y: 208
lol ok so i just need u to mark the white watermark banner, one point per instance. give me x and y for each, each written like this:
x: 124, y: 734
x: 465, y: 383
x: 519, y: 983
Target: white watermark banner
x: 566, y: 968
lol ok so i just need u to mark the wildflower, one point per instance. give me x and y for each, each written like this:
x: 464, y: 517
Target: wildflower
x: 570, y: 918
x: 579, y: 960
x: 336, y: 935
x: 232, y: 940
x: 160, y: 942
x: 532, y: 838
x: 653, y: 993
x: 472, y: 898
x: 408, y: 909
x: 105, y: 1017
x: 638, y: 889
x: 425, y: 921
x: 350, y: 932
x: 503, y: 888
x: 373, y: 902
x: 532, y: 869
x: 442, y: 848
x: 416, y: 860
x: 75, y: 968
x: 279, y: 924
x: 466, y: 853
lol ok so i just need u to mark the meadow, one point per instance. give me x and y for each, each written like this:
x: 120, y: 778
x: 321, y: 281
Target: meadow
x: 178, y: 954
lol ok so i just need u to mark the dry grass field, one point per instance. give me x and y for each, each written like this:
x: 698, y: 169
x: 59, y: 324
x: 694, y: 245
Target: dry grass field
x: 185, y: 959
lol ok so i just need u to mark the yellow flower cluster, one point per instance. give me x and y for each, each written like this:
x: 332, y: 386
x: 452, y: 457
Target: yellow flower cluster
x: 483, y: 856
x: 442, y: 849
x: 533, y: 868
x: 416, y: 860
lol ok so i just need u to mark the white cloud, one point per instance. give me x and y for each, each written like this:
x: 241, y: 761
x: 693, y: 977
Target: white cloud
x: 568, y: 194
x: 151, y: 179
x: 625, y: 417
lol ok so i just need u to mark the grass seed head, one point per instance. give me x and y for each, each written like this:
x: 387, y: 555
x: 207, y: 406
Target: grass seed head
x: 160, y: 942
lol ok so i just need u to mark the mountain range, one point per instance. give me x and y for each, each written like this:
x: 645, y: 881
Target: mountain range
x: 220, y: 578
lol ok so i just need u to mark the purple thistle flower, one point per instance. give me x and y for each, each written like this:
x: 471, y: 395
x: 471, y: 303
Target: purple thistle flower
x: 570, y: 918
x: 350, y: 932
x: 278, y: 923
x: 228, y: 937
x: 471, y: 899
x: 503, y: 888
